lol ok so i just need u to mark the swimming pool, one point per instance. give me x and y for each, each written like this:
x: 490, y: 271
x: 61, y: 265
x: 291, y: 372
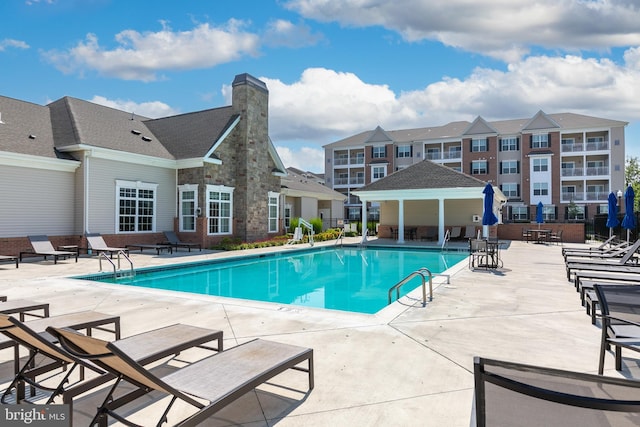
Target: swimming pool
x: 348, y: 278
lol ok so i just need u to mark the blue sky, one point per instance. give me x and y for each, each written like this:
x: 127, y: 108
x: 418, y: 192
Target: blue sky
x: 334, y: 68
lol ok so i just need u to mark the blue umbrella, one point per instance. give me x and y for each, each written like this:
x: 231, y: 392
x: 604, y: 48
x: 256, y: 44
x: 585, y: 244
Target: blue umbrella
x: 488, y: 217
x: 539, y: 216
x: 612, y: 216
x: 629, y: 220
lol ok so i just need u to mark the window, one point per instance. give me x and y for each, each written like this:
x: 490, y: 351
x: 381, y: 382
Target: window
x: 219, y: 209
x: 188, y: 195
x: 136, y: 203
x: 549, y: 213
x: 274, y: 203
x: 540, y: 165
x: 379, y: 152
x: 479, y: 145
x: 509, y: 144
x: 510, y: 190
x: 403, y: 151
x: 510, y: 167
x: 479, y: 167
x: 287, y: 216
x: 519, y: 213
x: 576, y: 212
x: 455, y: 152
x: 540, y: 141
x: 540, y: 189
x: 354, y: 214
x: 378, y: 172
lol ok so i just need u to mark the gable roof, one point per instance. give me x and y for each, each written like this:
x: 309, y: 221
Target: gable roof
x: 479, y: 126
x: 298, y: 185
x: 424, y: 175
x: 194, y: 134
x: 541, y: 121
x: 26, y: 129
x: 76, y: 122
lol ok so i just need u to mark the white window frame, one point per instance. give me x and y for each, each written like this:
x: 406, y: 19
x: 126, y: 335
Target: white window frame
x: 379, y: 152
x: 510, y: 190
x: 509, y: 144
x: 288, y: 208
x: 273, y: 208
x: 541, y: 164
x: 139, y: 188
x: 479, y: 167
x: 540, y: 188
x: 540, y: 140
x: 378, y: 172
x: 479, y: 145
x: 404, y: 151
x: 187, y: 207
x: 224, y: 222
x: 509, y: 167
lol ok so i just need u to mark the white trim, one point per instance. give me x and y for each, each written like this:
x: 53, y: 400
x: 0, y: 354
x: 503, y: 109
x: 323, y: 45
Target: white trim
x: 37, y: 162
x: 220, y: 189
x: 138, y: 185
x: 181, y: 189
x: 121, y: 156
x: 222, y: 138
x: 273, y: 195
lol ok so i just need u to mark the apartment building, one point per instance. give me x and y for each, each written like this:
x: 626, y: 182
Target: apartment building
x: 567, y: 161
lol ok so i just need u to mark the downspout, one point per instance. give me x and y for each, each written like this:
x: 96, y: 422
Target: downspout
x: 85, y: 214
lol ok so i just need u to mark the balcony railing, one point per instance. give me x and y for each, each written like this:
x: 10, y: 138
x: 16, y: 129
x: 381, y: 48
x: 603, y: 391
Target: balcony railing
x: 584, y: 196
x: 595, y: 171
x: 434, y: 155
x: 589, y: 146
x: 343, y: 161
x: 447, y: 155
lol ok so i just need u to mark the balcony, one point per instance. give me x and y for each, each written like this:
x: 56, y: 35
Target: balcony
x: 589, y: 146
x: 593, y: 171
x: 345, y: 161
x: 585, y: 196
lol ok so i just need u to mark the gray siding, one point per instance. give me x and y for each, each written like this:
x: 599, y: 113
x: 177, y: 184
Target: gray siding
x: 102, y: 195
x: 36, y: 201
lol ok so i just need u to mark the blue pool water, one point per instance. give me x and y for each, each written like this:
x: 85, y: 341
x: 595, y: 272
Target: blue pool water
x: 351, y: 279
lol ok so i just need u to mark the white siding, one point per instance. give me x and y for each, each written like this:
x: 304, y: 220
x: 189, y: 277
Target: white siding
x: 102, y: 198
x: 36, y: 201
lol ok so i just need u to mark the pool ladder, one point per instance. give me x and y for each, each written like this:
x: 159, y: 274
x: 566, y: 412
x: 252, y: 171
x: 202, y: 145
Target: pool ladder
x: 423, y: 273
x: 115, y: 271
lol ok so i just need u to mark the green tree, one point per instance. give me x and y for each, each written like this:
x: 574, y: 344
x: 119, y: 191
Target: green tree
x: 632, y: 177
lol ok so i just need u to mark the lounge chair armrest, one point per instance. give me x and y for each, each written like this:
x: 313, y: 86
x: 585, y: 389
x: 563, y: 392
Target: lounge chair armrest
x: 629, y: 322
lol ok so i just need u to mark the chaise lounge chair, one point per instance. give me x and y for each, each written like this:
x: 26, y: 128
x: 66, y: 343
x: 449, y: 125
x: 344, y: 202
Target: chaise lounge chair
x: 174, y: 241
x: 514, y: 394
x: 455, y: 233
x: 42, y: 246
x: 626, y: 264
x: 96, y: 243
x: 147, y: 347
x: 10, y: 258
x: 157, y: 248
x: 219, y: 379
x: 24, y: 307
x: 469, y: 232
x: 619, y: 305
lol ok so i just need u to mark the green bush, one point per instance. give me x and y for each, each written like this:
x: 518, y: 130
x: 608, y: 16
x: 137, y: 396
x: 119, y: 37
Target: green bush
x: 316, y: 223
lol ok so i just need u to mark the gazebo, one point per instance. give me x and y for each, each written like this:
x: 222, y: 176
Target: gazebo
x: 428, y: 193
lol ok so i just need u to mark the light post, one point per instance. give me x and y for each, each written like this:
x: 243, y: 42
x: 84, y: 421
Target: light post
x: 620, y: 201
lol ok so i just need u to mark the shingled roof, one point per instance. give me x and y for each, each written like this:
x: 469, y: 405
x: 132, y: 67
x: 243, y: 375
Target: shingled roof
x: 295, y: 184
x: 424, y: 175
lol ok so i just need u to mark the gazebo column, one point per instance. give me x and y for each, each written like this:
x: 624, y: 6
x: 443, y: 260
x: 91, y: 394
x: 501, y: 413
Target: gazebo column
x: 440, y: 221
x: 364, y: 219
x: 400, y: 221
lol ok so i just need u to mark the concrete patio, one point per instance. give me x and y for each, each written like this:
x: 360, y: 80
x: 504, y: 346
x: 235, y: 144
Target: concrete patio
x: 407, y: 365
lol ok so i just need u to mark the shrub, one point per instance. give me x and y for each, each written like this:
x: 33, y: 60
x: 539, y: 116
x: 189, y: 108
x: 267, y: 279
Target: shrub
x: 316, y: 223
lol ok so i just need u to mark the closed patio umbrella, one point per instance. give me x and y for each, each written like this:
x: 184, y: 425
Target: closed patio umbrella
x: 539, y: 216
x: 612, y: 216
x: 488, y: 217
x: 629, y: 220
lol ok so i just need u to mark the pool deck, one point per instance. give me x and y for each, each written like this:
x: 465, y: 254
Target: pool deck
x: 407, y: 365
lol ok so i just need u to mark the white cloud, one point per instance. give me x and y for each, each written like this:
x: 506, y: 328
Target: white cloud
x: 140, y: 56
x: 151, y: 109
x: 303, y: 158
x: 17, y: 44
x: 287, y: 34
x: 324, y: 105
x: 497, y: 28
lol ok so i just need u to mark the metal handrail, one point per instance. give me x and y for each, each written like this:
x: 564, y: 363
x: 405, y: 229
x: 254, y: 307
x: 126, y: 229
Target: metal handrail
x: 422, y: 272
x: 447, y: 237
x: 105, y: 256
x: 340, y: 237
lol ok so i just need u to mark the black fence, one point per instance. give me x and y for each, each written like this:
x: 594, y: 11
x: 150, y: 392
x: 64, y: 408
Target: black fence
x: 599, y: 227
